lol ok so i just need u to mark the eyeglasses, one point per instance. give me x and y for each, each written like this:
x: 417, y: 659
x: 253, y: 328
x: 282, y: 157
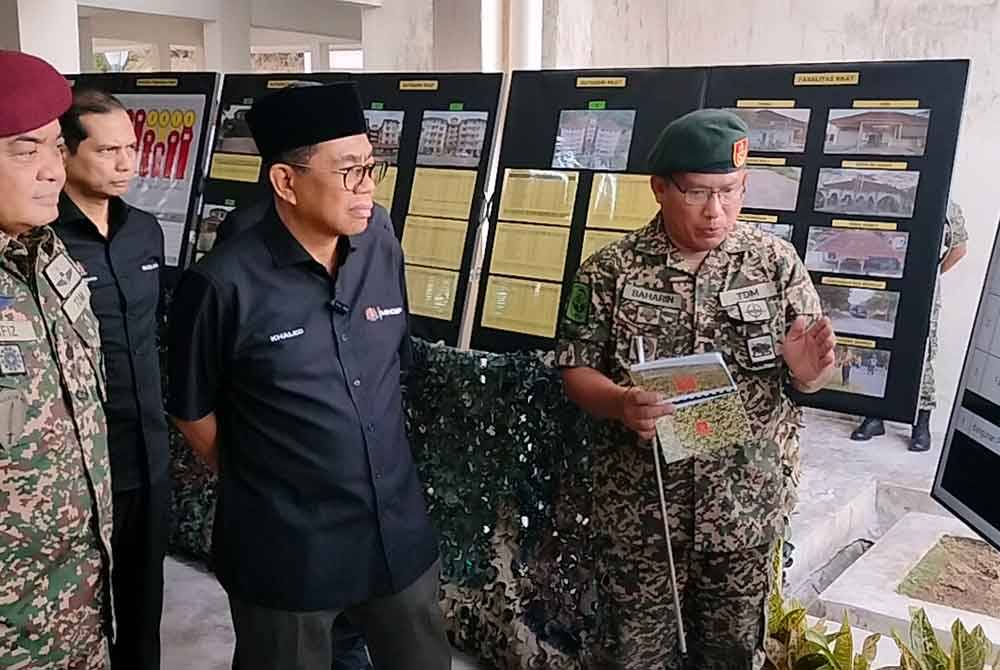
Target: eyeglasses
x: 355, y: 175
x: 699, y: 197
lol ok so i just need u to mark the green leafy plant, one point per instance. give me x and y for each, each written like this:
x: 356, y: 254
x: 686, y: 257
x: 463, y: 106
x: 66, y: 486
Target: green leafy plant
x: 969, y: 650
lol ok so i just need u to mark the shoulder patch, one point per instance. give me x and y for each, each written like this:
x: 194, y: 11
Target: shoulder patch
x: 578, y: 307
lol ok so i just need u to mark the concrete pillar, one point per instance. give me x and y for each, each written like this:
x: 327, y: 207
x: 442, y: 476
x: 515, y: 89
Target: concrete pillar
x: 45, y: 28
x: 458, y: 33
x: 163, y: 51
x: 321, y: 59
x: 599, y: 33
x: 525, y: 34
x: 227, y: 41
x: 399, y: 36
x: 86, y: 30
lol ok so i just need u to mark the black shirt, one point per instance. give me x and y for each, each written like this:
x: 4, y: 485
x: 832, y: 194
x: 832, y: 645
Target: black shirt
x: 319, y: 504
x: 123, y: 273
x: 245, y: 217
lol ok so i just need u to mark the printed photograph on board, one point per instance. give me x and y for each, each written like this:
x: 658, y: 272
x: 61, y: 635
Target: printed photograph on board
x: 594, y: 139
x: 453, y: 139
x: 773, y: 188
x: 867, y: 192
x: 860, y: 371
x: 874, y: 253
x: 234, y: 132
x: 900, y: 132
x: 781, y: 230
x: 384, y: 131
x: 781, y: 130
x: 860, y: 311
x: 212, y: 217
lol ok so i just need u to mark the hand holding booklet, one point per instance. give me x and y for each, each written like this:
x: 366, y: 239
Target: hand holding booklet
x: 708, y: 411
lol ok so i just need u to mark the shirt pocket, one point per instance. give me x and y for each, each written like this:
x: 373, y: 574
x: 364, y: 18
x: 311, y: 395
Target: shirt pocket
x: 90, y: 375
x: 14, y: 412
x: 659, y: 329
x: 756, y: 332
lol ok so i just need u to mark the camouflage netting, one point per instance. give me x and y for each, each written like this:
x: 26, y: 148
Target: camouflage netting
x: 504, y: 459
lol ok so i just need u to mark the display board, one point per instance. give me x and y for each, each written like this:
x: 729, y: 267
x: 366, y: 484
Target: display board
x: 172, y: 114
x: 570, y: 180
x: 969, y: 469
x: 435, y: 130
x: 852, y: 163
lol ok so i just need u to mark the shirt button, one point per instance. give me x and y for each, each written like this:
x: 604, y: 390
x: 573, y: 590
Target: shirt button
x: 378, y: 475
x: 345, y: 337
x: 357, y: 382
x: 371, y: 427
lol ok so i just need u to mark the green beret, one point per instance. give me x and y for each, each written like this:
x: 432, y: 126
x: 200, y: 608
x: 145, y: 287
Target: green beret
x: 707, y: 141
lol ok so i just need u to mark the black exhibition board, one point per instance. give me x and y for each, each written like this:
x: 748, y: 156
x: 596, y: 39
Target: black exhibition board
x: 872, y: 145
x: 173, y: 114
x: 395, y: 106
x: 606, y: 100
x: 969, y: 468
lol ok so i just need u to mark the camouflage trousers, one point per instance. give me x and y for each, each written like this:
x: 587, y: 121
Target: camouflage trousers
x: 928, y: 389
x: 723, y: 601
x: 57, y: 623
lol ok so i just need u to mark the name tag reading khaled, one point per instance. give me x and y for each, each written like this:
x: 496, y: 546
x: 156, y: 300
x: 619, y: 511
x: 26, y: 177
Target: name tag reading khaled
x: 149, y: 267
x: 287, y: 335
x: 17, y: 331
x: 650, y: 297
x: 755, y: 292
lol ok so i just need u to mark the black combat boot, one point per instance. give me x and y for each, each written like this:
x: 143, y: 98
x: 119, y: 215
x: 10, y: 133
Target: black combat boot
x: 868, y: 429
x: 920, y: 438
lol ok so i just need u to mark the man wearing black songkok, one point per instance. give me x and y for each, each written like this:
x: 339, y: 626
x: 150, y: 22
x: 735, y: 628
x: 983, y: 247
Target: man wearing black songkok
x: 285, y: 356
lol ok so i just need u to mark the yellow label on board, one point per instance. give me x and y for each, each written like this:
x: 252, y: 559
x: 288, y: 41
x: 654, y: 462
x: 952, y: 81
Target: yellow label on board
x: 601, y: 82
x: 863, y: 225
x: 419, y: 85
x: 886, y: 104
x: 281, y: 83
x: 854, y: 342
x: 162, y: 83
x: 875, y: 165
x: 761, y: 160
x: 853, y: 283
x: 236, y: 167
x: 759, y: 218
x: 766, y: 104
x: 827, y: 78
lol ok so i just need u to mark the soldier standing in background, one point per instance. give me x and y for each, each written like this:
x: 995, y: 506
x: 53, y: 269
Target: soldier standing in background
x: 55, y: 481
x: 956, y: 239
x: 694, y: 280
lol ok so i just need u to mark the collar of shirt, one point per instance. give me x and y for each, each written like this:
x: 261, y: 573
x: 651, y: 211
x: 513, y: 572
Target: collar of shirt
x: 653, y: 240
x: 286, y: 250
x: 71, y: 214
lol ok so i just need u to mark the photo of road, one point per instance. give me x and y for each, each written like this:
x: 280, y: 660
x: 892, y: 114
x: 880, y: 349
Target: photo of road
x: 860, y: 311
x: 773, y: 188
x: 860, y: 371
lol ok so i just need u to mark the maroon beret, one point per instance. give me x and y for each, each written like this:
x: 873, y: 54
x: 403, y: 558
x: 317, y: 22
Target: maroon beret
x: 32, y: 93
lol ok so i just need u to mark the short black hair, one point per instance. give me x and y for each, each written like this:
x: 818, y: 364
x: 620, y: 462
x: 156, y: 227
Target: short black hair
x: 85, y: 101
x: 296, y: 156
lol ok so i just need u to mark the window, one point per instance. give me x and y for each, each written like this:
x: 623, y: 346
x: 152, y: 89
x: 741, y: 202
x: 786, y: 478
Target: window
x: 125, y: 58
x: 184, y: 58
x: 347, y: 59
x: 267, y: 61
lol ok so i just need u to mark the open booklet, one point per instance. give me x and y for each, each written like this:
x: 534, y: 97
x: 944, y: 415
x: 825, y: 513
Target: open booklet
x: 708, y: 411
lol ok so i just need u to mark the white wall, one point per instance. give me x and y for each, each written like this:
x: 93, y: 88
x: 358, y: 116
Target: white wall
x: 604, y: 33
x: 399, y: 36
x: 44, y: 28
x: 311, y: 16
x: 762, y: 31
x: 205, y: 10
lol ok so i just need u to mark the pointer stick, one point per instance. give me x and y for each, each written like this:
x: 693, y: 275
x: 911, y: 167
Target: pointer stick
x: 640, y: 348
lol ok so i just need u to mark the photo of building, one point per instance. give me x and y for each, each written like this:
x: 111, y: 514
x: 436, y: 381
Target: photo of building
x: 773, y: 188
x: 593, y: 139
x: 452, y: 138
x: 898, y: 131
x: 859, y: 252
x: 384, y: 131
x: 779, y: 230
x: 877, y: 192
x: 776, y: 129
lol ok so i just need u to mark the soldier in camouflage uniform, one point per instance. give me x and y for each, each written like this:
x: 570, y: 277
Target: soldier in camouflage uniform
x: 694, y: 280
x: 956, y: 239
x: 55, y: 493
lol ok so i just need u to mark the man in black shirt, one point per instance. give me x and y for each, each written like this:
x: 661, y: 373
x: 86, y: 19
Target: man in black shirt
x: 121, y: 249
x: 286, y: 348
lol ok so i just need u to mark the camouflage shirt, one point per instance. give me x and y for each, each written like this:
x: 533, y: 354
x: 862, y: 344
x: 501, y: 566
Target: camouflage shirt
x: 55, y: 480
x: 955, y: 232
x: 740, y: 302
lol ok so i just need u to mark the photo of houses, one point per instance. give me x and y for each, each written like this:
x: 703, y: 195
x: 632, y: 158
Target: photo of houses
x: 860, y: 371
x: 593, y: 139
x: 860, y: 311
x: 782, y: 230
x: 873, y: 192
x: 773, y: 188
x: 858, y: 252
x: 452, y: 138
x: 900, y: 132
x: 776, y: 129
x: 234, y: 132
x: 384, y: 130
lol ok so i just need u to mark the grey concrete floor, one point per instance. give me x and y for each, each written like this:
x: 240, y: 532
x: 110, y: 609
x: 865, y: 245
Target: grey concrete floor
x: 197, y: 633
